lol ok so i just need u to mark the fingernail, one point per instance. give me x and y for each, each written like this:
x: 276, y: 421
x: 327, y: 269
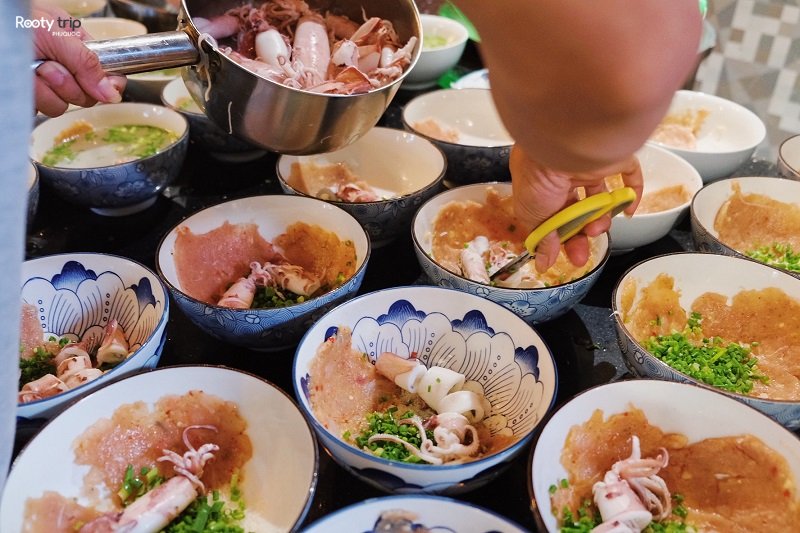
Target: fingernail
x: 53, y: 73
x: 109, y: 92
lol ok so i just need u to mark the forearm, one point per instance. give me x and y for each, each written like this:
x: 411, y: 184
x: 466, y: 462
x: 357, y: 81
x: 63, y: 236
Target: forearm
x: 580, y: 84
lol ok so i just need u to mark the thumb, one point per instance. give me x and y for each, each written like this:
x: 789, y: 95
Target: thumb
x: 85, y: 67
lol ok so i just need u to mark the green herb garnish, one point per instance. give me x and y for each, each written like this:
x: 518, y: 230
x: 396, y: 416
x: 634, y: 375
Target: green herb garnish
x: 388, y: 424
x: 60, y: 152
x: 135, y: 485
x: 38, y: 365
x: 777, y: 255
x: 268, y: 297
x: 715, y: 362
x: 203, y: 515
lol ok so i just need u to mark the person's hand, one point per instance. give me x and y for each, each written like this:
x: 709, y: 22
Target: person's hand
x: 71, y: 73
x: 540, y: 192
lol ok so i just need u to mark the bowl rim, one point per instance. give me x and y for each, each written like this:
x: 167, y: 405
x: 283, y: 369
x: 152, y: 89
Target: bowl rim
x: 398, y: 499
x: 616, y: 313
x: 696, y: 178
x: 438, y: 93
x: 712, y: 232
x: 144, y: 5
x: 511, y: 450
x: 220, y: 308
x: 183, y: 137
x: 162, y: 320
x: 761, y: 127
x: 116, y: 21
x: 170, y: 105
x: 781, y: 159
x: 418, y: 245
x: 461, y: 33
x: 534, y: 504
x: 314, y: 478
x: 435, y: 183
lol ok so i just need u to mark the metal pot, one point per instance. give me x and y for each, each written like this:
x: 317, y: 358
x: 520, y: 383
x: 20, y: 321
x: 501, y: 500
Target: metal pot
x: 266, y: 113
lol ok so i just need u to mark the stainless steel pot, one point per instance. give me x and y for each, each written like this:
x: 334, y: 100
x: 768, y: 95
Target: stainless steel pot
x: 258, y: 110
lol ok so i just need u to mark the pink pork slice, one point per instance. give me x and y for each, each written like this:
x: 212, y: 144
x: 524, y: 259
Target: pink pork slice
x: 208, y: 263
x: 30, y: 331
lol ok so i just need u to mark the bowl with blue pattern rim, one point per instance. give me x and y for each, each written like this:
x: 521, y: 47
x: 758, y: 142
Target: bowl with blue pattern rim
x: 77, y: 294
x: 465, y: 124
x: 404, y: 169
x: 120, y: 188
x: 418, y: 512
x: 264, y: 329
x: 534, y: 305
x: 708, y: 201
x: 498, y: 352
x: 694, y: 275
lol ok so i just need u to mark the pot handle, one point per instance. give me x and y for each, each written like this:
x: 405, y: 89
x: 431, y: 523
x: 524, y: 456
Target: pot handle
x: 143, y: 53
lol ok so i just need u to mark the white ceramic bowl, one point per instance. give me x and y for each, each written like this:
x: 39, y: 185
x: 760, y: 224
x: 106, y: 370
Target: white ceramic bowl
x: 124, y: 188
x: 533, y: 305
x: 674, y: 407
x: 407, y: 167
x: 443, y: 42
x: 77, y: 294
x: 727, y: 139
x: 79, y: 8
x: 274, y: 328
x: 209, y: 137
x: 481, y: 152
x: 497, y: 351
x: 278, y: 481
x: 709, y: 200
x: 661, y: 169
x: 102, y: 28
x: 696, y: 274
x: 789, y: 158
x: 424, y: 513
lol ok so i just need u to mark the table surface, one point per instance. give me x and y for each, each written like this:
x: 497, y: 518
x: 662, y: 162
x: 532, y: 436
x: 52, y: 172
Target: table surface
x: 583, y: 341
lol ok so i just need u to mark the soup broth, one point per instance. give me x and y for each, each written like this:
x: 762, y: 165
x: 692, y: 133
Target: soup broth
x: 83, y: 146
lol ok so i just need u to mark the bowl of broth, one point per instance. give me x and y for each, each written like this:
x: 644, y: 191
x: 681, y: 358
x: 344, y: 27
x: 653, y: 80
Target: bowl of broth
x: 114, y: 159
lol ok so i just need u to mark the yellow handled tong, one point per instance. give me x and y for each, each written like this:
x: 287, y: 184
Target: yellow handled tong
x: 568, y: 222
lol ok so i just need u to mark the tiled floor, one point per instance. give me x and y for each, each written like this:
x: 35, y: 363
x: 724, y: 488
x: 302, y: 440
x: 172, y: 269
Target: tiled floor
x: 756, y: 62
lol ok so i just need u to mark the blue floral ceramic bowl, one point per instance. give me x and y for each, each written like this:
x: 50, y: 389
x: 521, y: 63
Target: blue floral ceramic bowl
x: 211, y: 138
x: 534, y: 304
x: 465, y: 124
x: 413, y: 513
x: 403, y: 169
x: 115, y: 189
x: 497, y: 351
x: 266, y: 329
x: 77, y: 294
x: 696, y: 274
x: 708, y: 201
